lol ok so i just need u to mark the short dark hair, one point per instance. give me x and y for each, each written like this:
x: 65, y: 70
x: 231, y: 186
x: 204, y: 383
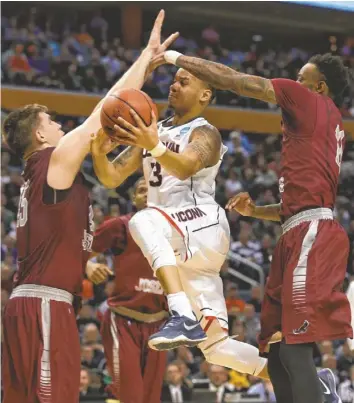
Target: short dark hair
x: 336, y: 74
x: 19, y: 126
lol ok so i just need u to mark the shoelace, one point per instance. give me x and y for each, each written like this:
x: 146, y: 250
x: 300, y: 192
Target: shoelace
x: 170, y: 322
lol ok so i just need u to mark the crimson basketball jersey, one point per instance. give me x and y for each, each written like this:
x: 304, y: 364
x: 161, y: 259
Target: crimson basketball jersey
x: 135, y: 285
x: 312, y: 148
x: 53, y: 240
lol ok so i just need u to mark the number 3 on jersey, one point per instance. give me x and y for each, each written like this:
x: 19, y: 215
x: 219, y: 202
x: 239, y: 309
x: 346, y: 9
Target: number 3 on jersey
x: 157, y: 177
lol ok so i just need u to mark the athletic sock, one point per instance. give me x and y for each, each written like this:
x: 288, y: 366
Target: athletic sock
x: 179, y: 303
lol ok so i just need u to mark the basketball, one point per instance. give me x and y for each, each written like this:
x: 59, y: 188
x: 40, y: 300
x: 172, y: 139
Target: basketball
x: 119, y: 104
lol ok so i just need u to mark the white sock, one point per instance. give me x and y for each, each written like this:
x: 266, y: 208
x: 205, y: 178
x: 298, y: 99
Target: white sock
x: 179, y: 302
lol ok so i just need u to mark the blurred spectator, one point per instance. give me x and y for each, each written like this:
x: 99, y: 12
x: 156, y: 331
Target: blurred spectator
x: 202, y: 374
x: 234, y: 303
x: 256, y: 298
x: 92, y: 358
x: 238, y: 143
x: 210, y: 35
x: 84, y: 37
x: 89, y: 81
x: 345, y: 360
x: 264, y: 390
x: 18, y: 68
x: 232, y: 185
x: 219, y: 382
x: 239, y: 380
x: 184, y: 354
x: 85, y: 380
x: 85, y: 317
x: 72, y: 80
x: 252, y: 323
x: 246, y: 248
x: 175, y: 389
x: 7, y: 273
x: 91, y: 335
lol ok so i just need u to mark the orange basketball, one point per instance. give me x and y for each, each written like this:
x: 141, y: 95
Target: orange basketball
x: 118, y: 105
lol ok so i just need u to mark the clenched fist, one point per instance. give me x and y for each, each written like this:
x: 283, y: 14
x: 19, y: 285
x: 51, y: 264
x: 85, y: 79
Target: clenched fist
x: 97, y: 272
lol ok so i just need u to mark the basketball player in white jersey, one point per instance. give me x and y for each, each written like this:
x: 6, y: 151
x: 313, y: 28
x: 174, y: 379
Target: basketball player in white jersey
x: 183, y: 233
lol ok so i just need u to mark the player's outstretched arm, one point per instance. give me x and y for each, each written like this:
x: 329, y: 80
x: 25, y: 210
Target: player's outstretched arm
x: 202, y: 151
x: 69, y: 154
x: 244, y: 205
x: 222, y: 77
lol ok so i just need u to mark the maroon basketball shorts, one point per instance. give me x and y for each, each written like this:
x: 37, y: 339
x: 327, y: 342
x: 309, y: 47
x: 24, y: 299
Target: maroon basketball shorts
x: 303, y: 297
x: 137, y: 372
x: 41, y: 348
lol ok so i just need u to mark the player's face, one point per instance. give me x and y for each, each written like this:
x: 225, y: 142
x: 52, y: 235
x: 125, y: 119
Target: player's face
x: 186, y: 92
x: 49, y: 131
x: 140, y: 196
x: 311, y: 78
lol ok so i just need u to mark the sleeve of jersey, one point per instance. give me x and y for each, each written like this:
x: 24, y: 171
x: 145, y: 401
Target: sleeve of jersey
x: 289, y: 94
x: 298, y: 104
x: 106, y: 235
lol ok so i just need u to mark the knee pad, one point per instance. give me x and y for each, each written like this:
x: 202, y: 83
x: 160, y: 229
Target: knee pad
x: 150, y: 233
x: 234, y: 354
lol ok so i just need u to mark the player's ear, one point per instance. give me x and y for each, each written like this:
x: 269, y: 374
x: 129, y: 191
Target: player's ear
x: 322, y: 87
x: 40, y: 136
x: 206, y: 96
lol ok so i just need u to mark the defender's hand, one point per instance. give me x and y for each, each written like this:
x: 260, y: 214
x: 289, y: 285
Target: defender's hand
x: 97, y: 272
x: 141, y: 136
x: 102, y: 144
x: 154, y: 45
x: 242, y: 203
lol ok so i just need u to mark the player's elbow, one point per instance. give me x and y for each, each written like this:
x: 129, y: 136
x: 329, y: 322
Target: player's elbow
x: 186, y: 173
x: 183, y: 176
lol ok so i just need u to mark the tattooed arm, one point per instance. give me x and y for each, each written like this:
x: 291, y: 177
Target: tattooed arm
x: 224, y: 78
x: 202, y: 151
x: 113, y: 173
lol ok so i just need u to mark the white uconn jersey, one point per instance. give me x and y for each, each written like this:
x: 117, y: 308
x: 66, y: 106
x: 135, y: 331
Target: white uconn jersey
x: 165, y: 190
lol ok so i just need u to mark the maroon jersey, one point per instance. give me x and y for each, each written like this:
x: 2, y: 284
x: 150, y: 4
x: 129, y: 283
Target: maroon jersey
x: 54, y: 229
x: 135, y: 285
x: 312, y: 148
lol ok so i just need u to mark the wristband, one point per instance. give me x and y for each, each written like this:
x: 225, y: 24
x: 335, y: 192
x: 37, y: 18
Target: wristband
x: 171, y: 56
x: 159, y: 150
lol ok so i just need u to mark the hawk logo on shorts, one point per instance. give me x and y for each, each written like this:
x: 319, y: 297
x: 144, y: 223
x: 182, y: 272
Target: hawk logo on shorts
x: 303, y: 328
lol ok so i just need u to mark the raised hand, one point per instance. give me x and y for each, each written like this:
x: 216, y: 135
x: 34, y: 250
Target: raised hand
x: 154, y: 43
x: 242, y: 203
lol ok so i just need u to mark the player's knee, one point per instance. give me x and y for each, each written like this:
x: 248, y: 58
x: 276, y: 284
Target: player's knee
x: 152, y: 240
x: 137, y: 223
x: 233, y: 354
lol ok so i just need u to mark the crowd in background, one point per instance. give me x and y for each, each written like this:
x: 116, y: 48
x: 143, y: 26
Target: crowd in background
x: 86, y: 54
x: 89, y: 57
